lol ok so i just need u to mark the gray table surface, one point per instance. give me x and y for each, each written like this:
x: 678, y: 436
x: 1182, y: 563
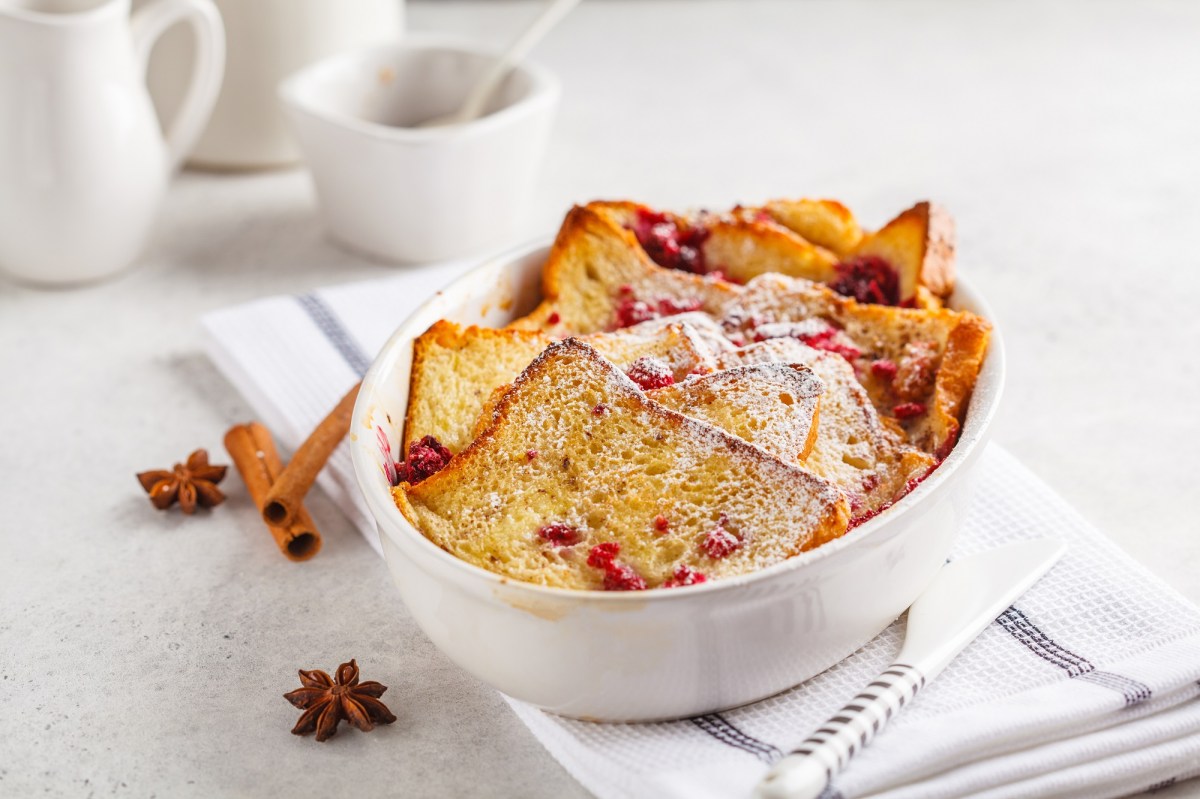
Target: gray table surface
x: 144, y: 654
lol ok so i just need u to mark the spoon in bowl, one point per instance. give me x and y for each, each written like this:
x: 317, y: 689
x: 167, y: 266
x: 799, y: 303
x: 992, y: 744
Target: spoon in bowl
x: 481, y: 92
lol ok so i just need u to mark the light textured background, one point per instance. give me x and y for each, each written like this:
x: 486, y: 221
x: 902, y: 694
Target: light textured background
x: 144, y: 654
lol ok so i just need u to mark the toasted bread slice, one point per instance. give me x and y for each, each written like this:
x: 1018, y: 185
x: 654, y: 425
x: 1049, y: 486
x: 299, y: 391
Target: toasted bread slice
x: 918, y: 365
x: 919, y: 245
x: 825, y: 223
x: 583, y: 482
x: 774, y: 406
x: 597, y: 277
x: 867, y: 459
x: 455, y: 370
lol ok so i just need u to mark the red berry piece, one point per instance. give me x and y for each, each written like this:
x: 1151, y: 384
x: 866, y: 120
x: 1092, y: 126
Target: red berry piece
x: 670, y: 245
x: 661, y: 523
x: 426, y: 458
x: 684, y: 575
x: 907, y: 410
x: 650, y: 373
x: 670, y: 306
x: 559, y: 534
x: 631, y: 311
x: 720, y: 543
x: 883, y: 369
x: 868, y: 278
x: 604, y: 554
x: 622, y: 577
x: 830, y: 341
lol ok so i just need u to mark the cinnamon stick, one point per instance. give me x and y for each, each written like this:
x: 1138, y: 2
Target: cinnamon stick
x: 254, y: 454
x: 286, y: 497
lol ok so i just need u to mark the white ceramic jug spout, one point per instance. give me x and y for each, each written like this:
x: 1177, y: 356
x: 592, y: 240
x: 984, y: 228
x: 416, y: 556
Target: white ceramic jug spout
x: 83, y: 163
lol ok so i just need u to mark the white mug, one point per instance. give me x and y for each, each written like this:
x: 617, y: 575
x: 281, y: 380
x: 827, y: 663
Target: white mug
x: 83, y: 161
x: 267, y: 40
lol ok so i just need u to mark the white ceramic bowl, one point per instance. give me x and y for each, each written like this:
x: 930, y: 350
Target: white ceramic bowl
x: 644, y: 655
x: 407, y: 194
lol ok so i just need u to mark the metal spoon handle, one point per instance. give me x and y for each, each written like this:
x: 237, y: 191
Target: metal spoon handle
x: 554, y: 11
x: 807, y: 769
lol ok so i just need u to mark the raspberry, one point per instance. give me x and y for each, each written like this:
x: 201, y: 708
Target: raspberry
x: 720, y: 543
x: 622, y: 577
x: 553, y: 318
x: 684, y: 575
x: 631, y: 311
x: 816, y: 333
x: 617, y: 576
x: 884, y: 369
x: 661, y: 523
x: 531, y: 453
x: 560, y: 534
x: 907, y: 410
x: 600, y: 409
x: 669, y: 306
x: 868, y: 278
x: 650, y: 373
x: 670, y: 245
x: 426, y: 458
x: 830, y: 342
x: 603, y: 555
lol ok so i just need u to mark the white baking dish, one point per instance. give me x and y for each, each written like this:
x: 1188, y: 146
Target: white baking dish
x: 643, y: 655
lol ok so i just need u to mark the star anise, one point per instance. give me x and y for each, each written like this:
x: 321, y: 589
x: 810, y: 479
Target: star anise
x: 191, y: 484
x: 326, y: 702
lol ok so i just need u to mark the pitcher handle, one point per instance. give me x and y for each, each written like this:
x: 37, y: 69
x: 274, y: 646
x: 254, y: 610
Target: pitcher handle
x: 149, y: 23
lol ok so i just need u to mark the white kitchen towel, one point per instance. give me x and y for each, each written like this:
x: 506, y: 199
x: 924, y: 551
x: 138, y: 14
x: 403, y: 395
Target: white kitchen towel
x: 1088, y: 687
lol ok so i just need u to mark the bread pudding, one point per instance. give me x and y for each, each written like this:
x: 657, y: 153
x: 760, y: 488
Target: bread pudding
x: 696, y: 397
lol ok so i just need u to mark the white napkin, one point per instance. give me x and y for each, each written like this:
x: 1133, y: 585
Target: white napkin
x: 1088, y: 687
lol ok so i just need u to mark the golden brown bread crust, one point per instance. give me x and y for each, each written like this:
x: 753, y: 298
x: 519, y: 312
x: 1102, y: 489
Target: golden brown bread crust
x: 956, y: 378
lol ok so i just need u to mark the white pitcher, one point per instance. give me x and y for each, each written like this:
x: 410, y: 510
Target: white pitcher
x: 83, y: 162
